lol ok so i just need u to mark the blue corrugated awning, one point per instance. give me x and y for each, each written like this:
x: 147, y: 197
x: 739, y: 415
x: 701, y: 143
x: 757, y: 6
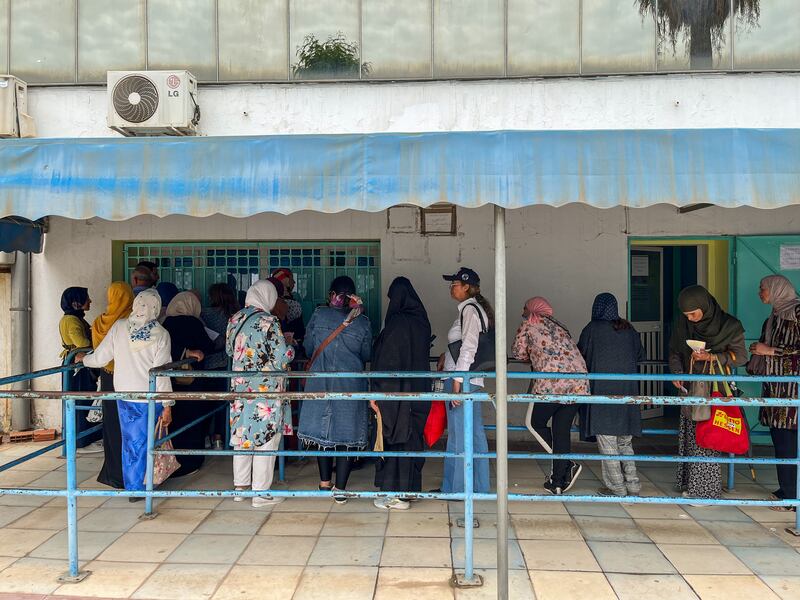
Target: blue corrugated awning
x: 21, y: 235
x: 239, y: 176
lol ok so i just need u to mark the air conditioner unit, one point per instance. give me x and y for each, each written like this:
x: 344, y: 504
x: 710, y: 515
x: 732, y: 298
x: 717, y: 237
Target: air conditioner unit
x: 14, y: 118
x: 153, y: 102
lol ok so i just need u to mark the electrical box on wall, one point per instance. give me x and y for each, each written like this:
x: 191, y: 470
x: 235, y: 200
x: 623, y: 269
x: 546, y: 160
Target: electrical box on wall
x: 14, y: 118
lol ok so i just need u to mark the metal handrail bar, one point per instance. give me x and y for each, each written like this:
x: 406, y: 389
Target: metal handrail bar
x: 468, y: 397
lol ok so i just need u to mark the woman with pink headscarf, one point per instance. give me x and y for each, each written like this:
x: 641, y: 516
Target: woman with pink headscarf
x: 549, y: 347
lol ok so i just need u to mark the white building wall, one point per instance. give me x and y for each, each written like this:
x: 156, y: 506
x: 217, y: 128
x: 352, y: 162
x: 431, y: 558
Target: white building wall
x: 644, y: 102
x: 567, y: 254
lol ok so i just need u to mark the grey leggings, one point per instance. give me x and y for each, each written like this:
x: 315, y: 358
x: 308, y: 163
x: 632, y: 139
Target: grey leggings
x: 619, y: 477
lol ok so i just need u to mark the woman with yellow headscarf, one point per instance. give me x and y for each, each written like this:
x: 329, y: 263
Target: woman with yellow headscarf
x: 120, y: 302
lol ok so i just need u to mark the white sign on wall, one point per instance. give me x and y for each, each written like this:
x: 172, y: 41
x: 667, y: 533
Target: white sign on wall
x: 790, y: 258
x: 640, y: 265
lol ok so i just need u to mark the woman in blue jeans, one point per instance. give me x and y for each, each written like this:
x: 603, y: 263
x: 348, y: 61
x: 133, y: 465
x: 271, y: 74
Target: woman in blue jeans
x: 475, y: 315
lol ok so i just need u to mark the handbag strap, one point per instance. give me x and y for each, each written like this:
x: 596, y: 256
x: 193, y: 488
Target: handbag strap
x: 484, y: 329
x: 160, y: 428
x: 244, y: 321
x: 725, y: 384
x: 327, y: 341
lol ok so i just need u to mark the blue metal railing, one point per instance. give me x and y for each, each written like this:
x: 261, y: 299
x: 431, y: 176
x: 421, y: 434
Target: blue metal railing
x: 468, y: 398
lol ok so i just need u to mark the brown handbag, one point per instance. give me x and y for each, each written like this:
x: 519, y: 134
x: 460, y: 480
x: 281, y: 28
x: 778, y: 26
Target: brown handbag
x: 701, y: 412
x: 185, y: 380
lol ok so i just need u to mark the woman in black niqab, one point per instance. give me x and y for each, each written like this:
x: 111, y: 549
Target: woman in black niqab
x: 403, y: 345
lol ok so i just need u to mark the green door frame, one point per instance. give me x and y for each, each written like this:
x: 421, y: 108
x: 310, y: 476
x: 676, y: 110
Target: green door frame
x: 655, y: 239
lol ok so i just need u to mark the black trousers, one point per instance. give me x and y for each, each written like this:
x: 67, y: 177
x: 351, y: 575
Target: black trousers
x: 785, y: 442
x: 111, y: 472
x: 83, y: 381
x: 557, y: 435
x: 344, y: 465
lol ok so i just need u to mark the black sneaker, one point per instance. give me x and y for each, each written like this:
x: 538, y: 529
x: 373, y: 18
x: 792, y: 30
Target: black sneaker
x: 552, y: 487
x: 572, y: 475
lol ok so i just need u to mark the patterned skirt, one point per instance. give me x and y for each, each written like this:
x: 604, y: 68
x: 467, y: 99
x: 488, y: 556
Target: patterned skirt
x: 699, y: 480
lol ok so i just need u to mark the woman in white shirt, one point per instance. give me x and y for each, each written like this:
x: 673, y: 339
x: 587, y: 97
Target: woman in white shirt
x: 475, y: 316
x: 136, y: 345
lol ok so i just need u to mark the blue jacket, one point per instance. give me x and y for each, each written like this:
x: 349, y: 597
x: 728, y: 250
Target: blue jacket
x: 328, y: 423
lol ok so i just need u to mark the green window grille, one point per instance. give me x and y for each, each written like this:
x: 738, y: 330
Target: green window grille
x: 197, y: 265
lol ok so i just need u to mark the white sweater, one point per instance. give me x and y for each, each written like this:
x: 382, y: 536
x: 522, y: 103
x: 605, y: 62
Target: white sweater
x: 469, y: 339
x: 132, y: 369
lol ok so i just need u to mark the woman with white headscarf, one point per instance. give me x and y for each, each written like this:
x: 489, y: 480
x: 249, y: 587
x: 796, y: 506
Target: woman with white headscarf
x: 255, y: 342
x: 777, y: 353
x: 189, y: 337
x: 136, y: 345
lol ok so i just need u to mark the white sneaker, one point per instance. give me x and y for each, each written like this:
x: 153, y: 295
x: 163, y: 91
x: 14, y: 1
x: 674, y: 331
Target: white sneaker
x: 338, y: 498
x: 259, y: 501
x: 92, y: 448
x: 391, y: 504
x: 239, y: 498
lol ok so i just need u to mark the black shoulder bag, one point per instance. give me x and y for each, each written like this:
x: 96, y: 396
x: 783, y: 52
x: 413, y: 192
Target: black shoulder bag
x: 484, y: 356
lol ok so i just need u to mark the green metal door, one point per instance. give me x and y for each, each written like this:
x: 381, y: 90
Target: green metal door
x: 315, y: 264
x: 755, y: 257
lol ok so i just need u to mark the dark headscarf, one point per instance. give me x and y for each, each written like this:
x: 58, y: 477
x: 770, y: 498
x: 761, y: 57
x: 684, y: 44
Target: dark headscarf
x: 717, y: 328
x: 403, y: 345
x: 605, y: 308
x: 279, y: 287
x: 73, y: 299
x: 167, y: 291
x: 403, y: 300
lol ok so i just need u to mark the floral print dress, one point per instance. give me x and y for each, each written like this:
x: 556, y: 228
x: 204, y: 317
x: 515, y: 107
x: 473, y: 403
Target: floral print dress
x: 255, y: 342
x: 550, y: 349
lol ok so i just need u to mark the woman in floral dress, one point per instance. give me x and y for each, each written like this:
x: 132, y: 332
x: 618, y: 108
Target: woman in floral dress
x: 549, y: 347
x: 255, y: 342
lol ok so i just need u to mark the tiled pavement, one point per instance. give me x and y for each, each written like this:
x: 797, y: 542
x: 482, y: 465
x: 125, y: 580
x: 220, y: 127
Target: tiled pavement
x: 305, y: 549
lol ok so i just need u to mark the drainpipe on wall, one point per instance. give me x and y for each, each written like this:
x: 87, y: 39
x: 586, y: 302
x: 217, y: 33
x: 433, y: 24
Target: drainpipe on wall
x: 21, y: 337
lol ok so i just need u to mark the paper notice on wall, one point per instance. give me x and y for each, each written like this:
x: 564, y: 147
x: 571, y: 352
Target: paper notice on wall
x: 790, y: 258
x: 640, y: 265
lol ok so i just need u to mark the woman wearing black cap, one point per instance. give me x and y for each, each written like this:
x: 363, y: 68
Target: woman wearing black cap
x: 475, y: 316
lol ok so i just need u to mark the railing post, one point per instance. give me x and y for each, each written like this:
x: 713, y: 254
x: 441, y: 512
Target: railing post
x: 796, y: 529
x: 281, y: 462
x: 227, y: 436
x: 64, y: 388
x: 151, y: 446
x: 797, y: 476
x: 501, y: 399
x: 73, y: 575
x: 731, y: 475
x: 469, y: 579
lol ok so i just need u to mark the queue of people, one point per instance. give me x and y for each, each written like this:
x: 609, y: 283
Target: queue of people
x: 148, y: 324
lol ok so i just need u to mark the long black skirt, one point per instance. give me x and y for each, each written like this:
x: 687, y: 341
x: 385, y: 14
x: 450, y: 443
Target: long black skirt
x: 394, y: 474
x: 183, y: 413
x: 83, y: 381
x: 111, y: 473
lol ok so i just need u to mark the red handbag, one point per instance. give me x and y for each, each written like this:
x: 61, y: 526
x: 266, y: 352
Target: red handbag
x: 726, y: 431
x: 436, y: 423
